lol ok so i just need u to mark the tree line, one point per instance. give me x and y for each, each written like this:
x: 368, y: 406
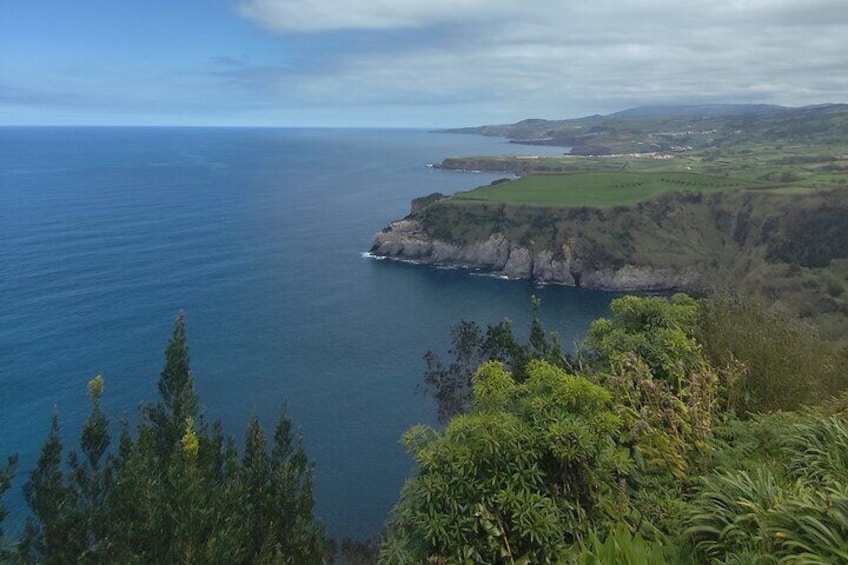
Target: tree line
x: 173, y: 490
x: 683, y: 430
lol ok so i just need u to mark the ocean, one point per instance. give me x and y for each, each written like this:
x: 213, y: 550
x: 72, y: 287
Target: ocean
x: 259, y: 235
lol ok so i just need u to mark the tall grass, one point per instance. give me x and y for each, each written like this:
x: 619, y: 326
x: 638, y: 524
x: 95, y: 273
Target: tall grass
x: 786, y: 364
x: 794, y: 512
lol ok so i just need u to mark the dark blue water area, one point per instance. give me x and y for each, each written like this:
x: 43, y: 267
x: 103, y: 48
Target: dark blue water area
x: 105, y: 233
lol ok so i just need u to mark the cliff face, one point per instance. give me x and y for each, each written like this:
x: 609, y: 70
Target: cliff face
x: 673, y: 242
x: 511, y: 165
x: 408, y: 240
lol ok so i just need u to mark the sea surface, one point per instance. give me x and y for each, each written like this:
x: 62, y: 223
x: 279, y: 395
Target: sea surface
x: 258, y: 234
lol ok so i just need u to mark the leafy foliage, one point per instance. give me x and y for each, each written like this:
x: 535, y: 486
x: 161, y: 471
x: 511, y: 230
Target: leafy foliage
x: 664, y: 388
x: 785, y: 363
x: 793, y: 509
x: 517, y: 478
x: 6, y: 475
x: 173, y: 492
x: 668, y: 397
x: 731, y: 514
x: 658, y: 331
x: 451, y: 385
x: 620, y: 546
x: 642, y: 460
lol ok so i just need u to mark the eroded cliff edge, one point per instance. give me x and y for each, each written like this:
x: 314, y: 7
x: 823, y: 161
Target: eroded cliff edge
x: 675, y: 241
x: 408, y: 239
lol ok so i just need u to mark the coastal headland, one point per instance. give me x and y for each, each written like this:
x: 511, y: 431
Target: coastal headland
x: 756, y: 211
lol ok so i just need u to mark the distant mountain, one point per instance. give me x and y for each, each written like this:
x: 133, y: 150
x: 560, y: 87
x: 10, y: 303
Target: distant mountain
x: 695, y: 110
x: 680, y: 128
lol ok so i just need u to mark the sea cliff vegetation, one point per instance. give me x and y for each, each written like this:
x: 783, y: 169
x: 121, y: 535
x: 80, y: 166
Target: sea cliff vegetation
x: 682, y: 430
x: 173, y: 490
x: 750, y: 198
x: 790, y: 250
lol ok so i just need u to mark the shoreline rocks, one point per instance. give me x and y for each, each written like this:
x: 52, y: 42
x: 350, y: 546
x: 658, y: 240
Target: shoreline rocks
x: 407, y: 240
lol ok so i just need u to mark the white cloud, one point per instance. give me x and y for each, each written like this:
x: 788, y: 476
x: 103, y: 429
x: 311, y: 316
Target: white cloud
x: 321, y: 15
x: 541, y: 58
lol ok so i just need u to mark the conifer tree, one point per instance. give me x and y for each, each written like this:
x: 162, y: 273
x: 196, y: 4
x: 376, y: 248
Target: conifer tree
x: 6, y: 475
x: 256, y: 481
x: 90, y: 478
x: 278, y: 488
x: 176, y: 492
x: 48, y: 537
x: 292, y: 532
x: 176, y: 388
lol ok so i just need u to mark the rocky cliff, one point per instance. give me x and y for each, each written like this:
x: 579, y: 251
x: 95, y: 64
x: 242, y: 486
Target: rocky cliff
x: 408, y: 240
x: 677, y: 241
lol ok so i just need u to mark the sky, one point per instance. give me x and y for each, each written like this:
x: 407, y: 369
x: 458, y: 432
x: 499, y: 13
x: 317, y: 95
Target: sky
x: 407, y: 63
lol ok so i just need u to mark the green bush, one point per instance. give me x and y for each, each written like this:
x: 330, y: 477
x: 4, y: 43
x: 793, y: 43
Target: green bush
x: 531, y: 469
x: 620, y: 547
x: 786, y: 364
x: 173, y: 492
x: 790, y: 508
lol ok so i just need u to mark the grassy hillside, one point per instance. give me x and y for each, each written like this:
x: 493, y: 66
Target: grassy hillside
x: 799, y: 165
x: 751, y: 197
x: 789, y: 246
x: 681, y: 128
x: 599, y: 189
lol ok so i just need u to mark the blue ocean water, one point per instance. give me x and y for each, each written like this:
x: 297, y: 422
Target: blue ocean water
x: 105, y: 233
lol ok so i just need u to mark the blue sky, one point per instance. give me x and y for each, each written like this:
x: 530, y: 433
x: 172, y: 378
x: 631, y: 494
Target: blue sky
x: 425, y: 63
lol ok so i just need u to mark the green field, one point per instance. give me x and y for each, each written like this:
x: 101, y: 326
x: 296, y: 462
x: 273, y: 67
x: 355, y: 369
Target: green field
x: 602, y: 189
x: 803, y: 166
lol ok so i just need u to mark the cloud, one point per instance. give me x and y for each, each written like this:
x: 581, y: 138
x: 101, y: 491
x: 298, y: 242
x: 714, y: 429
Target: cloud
x: 458, y: 61
x: 553, y: 58
x: 322, y: 15
x: 16, y: 95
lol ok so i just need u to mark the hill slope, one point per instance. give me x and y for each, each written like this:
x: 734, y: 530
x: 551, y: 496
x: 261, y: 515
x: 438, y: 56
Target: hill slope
x: 791, y: 248
x: 670, y: 128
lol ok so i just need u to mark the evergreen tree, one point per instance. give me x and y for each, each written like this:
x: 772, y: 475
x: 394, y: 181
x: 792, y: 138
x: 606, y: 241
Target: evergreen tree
x: 293, y: 531
x: 538, y: 343
x: 175, y: 493
x: 89, y: 478
x: 132, y: 502
x: 256, y: 481
x: 176, y: 389
x: 450, y: 385
x: 49, y: 535
x: 278, y: 490
x: 6, y: 475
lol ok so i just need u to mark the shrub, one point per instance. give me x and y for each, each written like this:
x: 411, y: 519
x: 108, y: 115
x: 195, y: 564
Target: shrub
x: 621, y: 547
x: 786, y: 364
x: 531, y: 469
x: 792, y: 508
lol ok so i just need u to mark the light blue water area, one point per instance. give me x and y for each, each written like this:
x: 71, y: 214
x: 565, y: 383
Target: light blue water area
x: 258, y: 234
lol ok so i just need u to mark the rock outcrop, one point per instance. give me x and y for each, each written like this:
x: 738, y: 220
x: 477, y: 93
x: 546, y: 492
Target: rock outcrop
x: 791, y: 250
x: 408, y: 240
x: 676, y: 241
